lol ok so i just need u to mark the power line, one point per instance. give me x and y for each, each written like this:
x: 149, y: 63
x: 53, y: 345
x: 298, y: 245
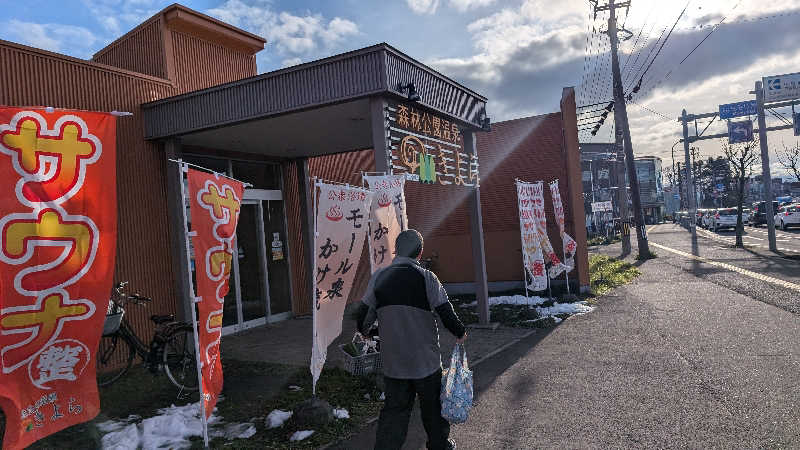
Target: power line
x: 669, y: 73
x: 639, y: 84
x: 663, y: 116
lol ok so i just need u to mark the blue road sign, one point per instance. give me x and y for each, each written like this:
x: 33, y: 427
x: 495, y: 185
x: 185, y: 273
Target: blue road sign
x: 741, y: 131
x: 797, y: 124
x: 676, y: 196
x: 739, y: 109
x: 720, y: 187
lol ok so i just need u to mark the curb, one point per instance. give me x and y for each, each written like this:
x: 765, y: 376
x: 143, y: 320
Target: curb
x: 472, y: 365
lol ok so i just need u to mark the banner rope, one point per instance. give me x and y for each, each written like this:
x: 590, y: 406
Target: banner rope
x: 180, y: 161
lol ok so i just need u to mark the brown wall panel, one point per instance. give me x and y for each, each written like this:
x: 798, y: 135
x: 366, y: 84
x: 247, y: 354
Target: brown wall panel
x: 301, y: 301
x: 32, y: 77
x: 200, y: 64
x: 141, y: 51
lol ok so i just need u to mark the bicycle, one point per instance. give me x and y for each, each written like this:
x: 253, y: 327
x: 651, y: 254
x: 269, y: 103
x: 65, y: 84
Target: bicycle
x: 170, y: 350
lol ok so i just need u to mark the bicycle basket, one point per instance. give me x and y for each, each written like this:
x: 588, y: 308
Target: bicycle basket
x: 113, y: 318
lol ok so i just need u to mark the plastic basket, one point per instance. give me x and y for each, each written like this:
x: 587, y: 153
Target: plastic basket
x: 362, y: 364
x: 113, y: 320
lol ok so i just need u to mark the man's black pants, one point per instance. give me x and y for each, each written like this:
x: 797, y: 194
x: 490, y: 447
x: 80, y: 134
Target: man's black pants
x: 396, y: 412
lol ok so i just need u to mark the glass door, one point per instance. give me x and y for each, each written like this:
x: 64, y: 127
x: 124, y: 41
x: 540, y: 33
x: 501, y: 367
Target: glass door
x: 280, y: 297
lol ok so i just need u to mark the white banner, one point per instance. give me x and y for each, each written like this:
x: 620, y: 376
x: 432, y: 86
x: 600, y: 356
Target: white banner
x: 532, y: 258
x: 568, y: 244
x: 341, y: 225
x: 541, y: 227
x: 387, y: 217
x: 602, y: 206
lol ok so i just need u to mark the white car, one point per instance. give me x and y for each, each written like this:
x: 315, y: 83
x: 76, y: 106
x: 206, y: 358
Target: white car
x: 788, y: 215
x: 724, y: 218
x: 745, y: 216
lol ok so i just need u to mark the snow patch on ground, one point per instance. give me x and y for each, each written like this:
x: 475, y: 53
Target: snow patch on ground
x: 341, y: 413
x: 513, y: 300
x: 564, y: 308
x: 300, y: 435
x: 170, y: 428
x: 277, y: 418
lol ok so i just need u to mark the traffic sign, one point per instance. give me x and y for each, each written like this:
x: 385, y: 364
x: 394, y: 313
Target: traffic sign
x: 741, y: 131
x: 781, y: 87
x: 731, y: 110
x: 797, y: 124
x: 720, y: 187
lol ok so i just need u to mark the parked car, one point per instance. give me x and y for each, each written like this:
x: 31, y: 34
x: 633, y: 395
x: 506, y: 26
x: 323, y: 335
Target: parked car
x: 746, y: 215
x: 724, y: 218
x: 758, y: 217
x: 708, y: 218
x: 787, y: 216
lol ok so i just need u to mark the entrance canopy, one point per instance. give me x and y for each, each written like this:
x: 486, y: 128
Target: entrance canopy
x: 312, y: 109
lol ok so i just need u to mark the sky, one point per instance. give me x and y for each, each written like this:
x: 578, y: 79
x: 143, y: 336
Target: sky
x: 518, y: 53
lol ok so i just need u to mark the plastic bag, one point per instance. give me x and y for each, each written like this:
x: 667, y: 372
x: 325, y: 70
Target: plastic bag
x: 456, y: 396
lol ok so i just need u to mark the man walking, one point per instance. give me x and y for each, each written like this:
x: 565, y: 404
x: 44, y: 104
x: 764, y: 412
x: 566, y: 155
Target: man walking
x: 403, y: 298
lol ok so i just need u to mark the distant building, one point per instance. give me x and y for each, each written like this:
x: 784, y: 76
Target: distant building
x: 599, y: 174
x: 651, y: 187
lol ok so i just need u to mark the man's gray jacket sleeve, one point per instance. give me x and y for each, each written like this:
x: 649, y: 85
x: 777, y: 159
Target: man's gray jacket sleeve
x: 440, y: 303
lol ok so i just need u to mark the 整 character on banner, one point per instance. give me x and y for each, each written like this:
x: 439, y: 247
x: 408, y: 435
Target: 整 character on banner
x: 342, y: 225
x: 58, y: 238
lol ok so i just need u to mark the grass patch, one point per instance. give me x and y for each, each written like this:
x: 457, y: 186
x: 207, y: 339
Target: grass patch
x: 606, y: 273
x: 252, y: 390
x: 602, y: 240
x: 650, y: 255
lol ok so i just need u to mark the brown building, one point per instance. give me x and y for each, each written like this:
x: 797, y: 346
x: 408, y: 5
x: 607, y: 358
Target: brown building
x: 192, y: 86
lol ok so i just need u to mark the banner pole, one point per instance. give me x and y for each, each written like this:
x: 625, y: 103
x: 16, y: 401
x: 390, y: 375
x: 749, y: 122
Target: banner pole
x: 313, y: 245
x: 198, y: 360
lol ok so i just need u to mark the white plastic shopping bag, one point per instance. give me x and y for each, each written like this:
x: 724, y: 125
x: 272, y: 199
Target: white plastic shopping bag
x: 456, y: 394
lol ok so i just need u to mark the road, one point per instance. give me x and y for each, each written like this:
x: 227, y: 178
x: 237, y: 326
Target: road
x: 700, y: 351
x: 787, y: 241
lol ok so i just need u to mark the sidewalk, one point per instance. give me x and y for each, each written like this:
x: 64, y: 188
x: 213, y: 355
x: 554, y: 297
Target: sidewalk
x: 289, y: 342
x: 671, y: 360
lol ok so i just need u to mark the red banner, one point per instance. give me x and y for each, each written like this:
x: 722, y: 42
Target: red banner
x: 58, y: 224
x: 215, y: 204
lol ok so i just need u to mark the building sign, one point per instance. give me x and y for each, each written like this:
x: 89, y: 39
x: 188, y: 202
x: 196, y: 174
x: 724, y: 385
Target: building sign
x: 601, y: 206
x: 58, y: 240
x: 428, y: 148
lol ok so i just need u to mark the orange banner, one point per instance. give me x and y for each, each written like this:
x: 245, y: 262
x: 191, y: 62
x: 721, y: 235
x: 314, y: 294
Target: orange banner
x: 58, y: 224
x: 215, y: 204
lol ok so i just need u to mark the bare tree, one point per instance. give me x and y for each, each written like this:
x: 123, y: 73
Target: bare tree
x: 790, y: 159
x: 742, y: 158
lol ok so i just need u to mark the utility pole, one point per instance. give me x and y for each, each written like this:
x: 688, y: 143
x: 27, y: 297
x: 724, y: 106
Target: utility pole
x: 619, y: 105
x: 691, y: 197
x: 622, y: 186
x: 765, y: 172
x: 680, y: 186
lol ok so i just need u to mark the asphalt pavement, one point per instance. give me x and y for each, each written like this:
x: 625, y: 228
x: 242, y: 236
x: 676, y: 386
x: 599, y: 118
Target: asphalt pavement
x: 700, y: 351
x: 787, y: 241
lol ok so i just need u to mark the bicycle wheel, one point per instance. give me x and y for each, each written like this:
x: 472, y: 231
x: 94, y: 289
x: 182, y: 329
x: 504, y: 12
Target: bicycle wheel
x: 179, y: 360
x: 114, y: 357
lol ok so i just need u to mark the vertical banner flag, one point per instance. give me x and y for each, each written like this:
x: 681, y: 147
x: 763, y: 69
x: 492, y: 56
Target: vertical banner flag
x: 387, y: 217
x: 532, y: 257
x: 567, y: 243
x: 341, y: 226
x: 556, y: 267
x: 58, y: 230
x: 215, y: 202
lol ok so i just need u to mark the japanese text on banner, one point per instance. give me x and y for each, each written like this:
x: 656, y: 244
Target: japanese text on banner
x: 568, y: 244
x: 58, y: 234
x: 532, y: 257
x: 556, y: 267
x: 341, y: 228
x: 387, y: 217
x: 215, y: 203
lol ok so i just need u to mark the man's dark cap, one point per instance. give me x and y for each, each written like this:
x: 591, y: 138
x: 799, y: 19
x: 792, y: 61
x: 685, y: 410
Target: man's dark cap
x: 409, y: 244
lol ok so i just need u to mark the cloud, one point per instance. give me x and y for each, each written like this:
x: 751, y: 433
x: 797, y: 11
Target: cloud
x: 424, y: 6
x: 467, y: 5
x: 77, y: 41
x: 291, y: 35
x: 117, y: 17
